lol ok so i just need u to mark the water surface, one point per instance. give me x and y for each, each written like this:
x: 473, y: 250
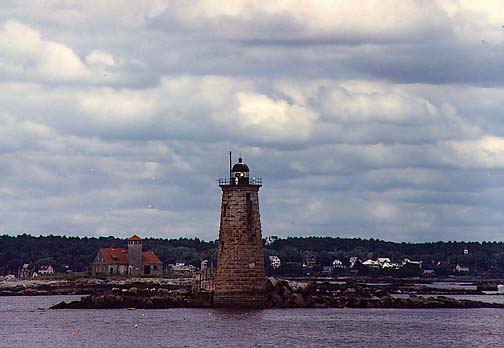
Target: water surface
x: 26, y: 322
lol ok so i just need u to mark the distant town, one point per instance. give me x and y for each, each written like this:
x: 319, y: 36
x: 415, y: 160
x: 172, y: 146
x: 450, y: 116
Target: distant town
x: 29, y: 257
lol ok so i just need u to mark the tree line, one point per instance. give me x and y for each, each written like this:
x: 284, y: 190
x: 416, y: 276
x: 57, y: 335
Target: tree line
x: 77, y: 253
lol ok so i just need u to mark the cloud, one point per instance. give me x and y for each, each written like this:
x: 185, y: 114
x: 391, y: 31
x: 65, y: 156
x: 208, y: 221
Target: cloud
x: 342, y: 105
x: 486, y: 152
x: 98, y: 57
x: 18, y: 134
x: 272, y: 120
x: 369, y: 113
x: 116, y: 106
x: 239, y: 109
x: 379, y: 120
x: 25, y: 52
x: 183, y: 107
x: 248, y: 19
x: 384, y: 211
x: 26, y: 55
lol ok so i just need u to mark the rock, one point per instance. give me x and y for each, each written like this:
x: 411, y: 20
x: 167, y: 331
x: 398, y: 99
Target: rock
x: 271, y: 282
x: 488, y: 286
x: 286, y: 292
x: 298, y: 300
x: 381, y: 293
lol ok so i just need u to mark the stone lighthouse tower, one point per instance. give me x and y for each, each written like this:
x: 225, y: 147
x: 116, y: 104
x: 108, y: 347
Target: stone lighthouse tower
x: 240, y: 280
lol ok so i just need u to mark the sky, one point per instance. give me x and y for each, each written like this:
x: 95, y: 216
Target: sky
x: 382, y: 119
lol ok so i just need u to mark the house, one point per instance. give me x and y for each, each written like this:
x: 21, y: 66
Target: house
x: 45, y: 269
x: 371, y: 263
x: 338, y: 264
x: 390, y: 265
x: 407, y: 261
x: 353, y: 260
x: 461, y: 269
x: 312, y: 262
x: 383, y: 260
x: 275, y: 262
x: 131, y: 260
x: 180, y: 269
x: 385, y: 263
x: 25, y: 271
x: 428, y: 272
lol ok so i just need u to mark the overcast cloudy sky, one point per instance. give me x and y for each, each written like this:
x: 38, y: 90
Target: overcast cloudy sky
x: 382, y: 119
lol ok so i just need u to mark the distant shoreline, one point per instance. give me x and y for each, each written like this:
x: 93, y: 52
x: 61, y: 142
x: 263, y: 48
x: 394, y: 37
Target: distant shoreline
x: 94, y: 286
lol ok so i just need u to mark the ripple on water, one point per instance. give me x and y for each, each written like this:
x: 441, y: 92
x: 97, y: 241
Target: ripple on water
x: 26, y: 322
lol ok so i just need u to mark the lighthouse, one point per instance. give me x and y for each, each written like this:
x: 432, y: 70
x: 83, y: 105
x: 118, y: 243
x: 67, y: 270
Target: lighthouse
x: 240, y: 280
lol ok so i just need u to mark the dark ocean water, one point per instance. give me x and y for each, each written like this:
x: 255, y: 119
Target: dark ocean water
x: 26, y: 322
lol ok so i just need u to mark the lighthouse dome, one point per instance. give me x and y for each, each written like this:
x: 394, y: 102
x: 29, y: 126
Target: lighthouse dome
x: 240, y: 166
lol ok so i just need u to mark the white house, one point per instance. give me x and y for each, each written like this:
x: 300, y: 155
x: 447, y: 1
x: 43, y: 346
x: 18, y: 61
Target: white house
x: 46, y: 269
x: 275, y: 262
x: 181, y: 269
x: 391, y: 265
x: 371, y: 263
x: 337, y: 264
x: 461, y: 269
x: 353, y: 260
x: 406, y: 261
x: 383, y: 260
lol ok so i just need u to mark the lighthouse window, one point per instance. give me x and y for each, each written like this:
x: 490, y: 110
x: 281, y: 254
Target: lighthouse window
x: 224, y: 210
x: 248, y: 196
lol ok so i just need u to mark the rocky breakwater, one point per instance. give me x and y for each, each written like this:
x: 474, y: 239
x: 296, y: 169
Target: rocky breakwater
x: 282, y: 294
x: 87, y: 286
x: 145, y: 298
x: 48, y: 287
x: 279, y: 294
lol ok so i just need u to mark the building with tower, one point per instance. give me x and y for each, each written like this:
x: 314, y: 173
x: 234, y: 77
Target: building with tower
x: 240, y: 280
x: 134, y: 255
x: 131, y: 260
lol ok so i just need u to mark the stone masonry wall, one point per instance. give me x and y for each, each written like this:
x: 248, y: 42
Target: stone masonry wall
x: 240, y: 280
x: 134, y: 257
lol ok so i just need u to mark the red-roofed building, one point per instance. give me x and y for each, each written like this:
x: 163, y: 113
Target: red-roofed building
x: 131, y: 260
